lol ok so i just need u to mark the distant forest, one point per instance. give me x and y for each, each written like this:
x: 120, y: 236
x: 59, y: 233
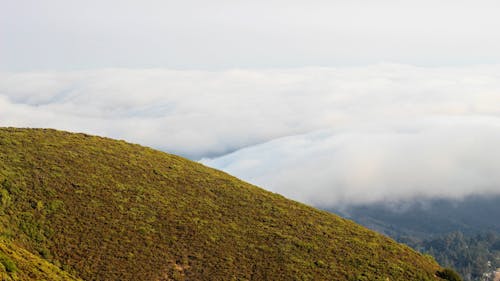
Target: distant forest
x: 461, y: 234
x: 474, y: 257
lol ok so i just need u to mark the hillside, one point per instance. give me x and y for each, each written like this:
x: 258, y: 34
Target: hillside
x: 18, y: 264
x: 461, y: 234
x: 101, y: 209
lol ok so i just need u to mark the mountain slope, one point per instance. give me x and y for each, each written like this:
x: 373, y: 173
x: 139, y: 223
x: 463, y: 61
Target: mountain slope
x: 18, y: 264
x: 107, y: 210
x: 462, y: 234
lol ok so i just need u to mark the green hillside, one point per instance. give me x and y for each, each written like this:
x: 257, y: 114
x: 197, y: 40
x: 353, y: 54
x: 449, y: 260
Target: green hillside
x: 18, y: 264
x: 101, y: 209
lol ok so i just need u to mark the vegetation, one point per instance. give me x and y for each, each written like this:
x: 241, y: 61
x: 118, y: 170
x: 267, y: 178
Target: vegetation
x: 449, y: 274
x: 475, y: 257
x: 8, y: 264
x: 424, y: 218
x: 18, y: 264
x: 463, y: 235
x: 101, y: 209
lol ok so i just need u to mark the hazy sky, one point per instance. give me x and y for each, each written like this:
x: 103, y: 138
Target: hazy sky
x: 326, y: 102
x: 194, y: 34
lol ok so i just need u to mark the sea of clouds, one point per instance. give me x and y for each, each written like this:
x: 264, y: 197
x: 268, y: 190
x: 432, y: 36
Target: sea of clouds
x: 319, y: 135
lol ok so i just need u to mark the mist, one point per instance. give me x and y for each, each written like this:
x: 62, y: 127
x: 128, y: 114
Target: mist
x: 392, y: 162
x: 319, y: 135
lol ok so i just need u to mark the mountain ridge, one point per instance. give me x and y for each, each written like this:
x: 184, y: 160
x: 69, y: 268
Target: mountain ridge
x: 99, y: 208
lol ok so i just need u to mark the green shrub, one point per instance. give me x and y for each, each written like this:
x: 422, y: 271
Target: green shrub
x: 448, y: 274
x: 5, y: 199
x: 45, y: 253
x: 9, y: 265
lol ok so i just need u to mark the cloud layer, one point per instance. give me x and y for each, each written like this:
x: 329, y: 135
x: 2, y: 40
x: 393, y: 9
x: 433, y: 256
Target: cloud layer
x: 319, y: 135
x: 435, y: 157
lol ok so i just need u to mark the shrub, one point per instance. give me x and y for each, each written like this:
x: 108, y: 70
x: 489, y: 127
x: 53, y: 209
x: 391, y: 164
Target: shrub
x: 448, y: 274
x: 9, y: 265
x: 5, y: 199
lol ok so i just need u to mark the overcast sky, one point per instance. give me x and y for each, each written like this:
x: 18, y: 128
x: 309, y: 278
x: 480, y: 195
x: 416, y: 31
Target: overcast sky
x: 326, y: 102
x: 222, y: 34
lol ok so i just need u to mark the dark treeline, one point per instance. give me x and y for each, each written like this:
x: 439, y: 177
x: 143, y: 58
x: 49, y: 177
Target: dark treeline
x: 474, y: 257
x: 461, y: 234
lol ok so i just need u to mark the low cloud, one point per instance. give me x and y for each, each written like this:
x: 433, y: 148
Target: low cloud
x: 320, y: 135
x: 439, y: 157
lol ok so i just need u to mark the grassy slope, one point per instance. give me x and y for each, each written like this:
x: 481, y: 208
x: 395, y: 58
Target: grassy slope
x: 108, y: 210
x: 19, y: 264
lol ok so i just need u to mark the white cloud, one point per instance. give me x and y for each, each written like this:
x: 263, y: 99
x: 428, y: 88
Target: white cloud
x: 444, y: 157
x: 321, y: 135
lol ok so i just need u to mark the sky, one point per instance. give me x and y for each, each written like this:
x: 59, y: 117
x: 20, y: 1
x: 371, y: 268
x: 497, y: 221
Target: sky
x: 222, y: 34
x: 325, y: 102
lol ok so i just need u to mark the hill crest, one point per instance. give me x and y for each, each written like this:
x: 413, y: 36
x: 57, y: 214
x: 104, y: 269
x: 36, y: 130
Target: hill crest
x: 102, y: 209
